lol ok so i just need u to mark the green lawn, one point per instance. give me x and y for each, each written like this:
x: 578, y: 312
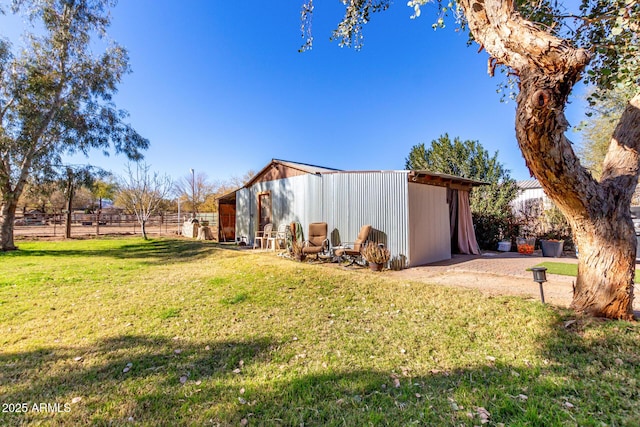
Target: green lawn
x: 175, y: 332
x: 568, y: 269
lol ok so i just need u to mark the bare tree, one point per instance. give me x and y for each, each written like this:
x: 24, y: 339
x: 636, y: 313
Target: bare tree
x: 193, y: 191
x: 143, y: 192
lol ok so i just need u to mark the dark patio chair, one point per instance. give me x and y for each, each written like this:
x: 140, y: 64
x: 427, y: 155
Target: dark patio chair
x: 317, y: 242
x: 352, y: 252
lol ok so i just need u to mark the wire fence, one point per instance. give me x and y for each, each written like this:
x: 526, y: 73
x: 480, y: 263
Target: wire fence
x: 83, y: 224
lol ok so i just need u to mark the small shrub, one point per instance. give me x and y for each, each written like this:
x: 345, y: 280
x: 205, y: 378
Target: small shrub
x: 376, y: 253
x: 491, y: 229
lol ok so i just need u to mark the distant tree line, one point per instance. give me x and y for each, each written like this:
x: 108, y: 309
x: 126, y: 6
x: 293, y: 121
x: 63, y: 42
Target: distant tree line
x: 94, y: 188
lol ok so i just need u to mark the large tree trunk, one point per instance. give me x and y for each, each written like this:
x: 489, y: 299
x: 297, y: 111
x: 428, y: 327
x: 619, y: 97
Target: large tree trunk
x: 606, y: 268
x: 7, y: 220
x: 599, y: 213
x: 548, y: 68
x: 8, y: 205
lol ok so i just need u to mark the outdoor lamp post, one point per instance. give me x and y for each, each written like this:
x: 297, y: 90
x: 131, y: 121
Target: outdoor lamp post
x: 193, y: 191
x: 540, y: 276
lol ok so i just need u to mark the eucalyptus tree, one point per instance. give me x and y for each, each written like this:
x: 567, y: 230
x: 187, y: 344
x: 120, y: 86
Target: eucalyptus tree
x: 102, y: 189
x: 56, y: 96
x: 546, y: 49
x: 71, y: 178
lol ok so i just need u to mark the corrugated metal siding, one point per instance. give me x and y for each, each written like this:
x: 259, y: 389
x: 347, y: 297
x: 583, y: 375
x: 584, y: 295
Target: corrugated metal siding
x: 294, y: 199
x: 429, y: 222
x: 536, y: 193
x: 345, y: 201
x: 351, y: 200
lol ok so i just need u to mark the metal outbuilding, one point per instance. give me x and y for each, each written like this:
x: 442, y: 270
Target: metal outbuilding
x: 410, y: 211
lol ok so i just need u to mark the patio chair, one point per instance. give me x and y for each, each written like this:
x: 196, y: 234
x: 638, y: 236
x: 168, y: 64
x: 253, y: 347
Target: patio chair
x: 279, y: 239
x: 263, y: 236
x: 352, y: 252
x: 318, y: 242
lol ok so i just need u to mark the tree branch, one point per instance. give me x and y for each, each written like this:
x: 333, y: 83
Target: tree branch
x: 518, y: 43
x: 6, y: 108
x: 622, y: 162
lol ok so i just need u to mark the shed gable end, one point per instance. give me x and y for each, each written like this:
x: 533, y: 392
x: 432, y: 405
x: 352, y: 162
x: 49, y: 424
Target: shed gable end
x: 277, y: 171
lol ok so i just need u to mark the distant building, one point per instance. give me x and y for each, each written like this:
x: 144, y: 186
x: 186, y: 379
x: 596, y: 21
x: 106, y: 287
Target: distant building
x: 531, y: 193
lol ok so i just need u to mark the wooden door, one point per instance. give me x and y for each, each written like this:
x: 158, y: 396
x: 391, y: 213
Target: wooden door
x: 264, y: 209
x: 227, y: 221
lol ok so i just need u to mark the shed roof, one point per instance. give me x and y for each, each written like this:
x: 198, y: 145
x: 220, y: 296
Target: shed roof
x: 301, y: 167
x: 419, y: 176
x: 436, y: 178
x: 529, y: 184
x: 305, y: 167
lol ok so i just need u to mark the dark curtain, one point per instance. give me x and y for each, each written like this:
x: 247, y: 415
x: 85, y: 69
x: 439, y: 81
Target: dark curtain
x: 467, y: 243
x: 452, y: 200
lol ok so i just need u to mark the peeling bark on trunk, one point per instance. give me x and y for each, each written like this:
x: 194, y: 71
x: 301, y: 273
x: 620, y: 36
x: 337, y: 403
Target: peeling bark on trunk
x: 598, y: 212
x: 548, y: 68
x: 606, y: 269
x: 7, y: 220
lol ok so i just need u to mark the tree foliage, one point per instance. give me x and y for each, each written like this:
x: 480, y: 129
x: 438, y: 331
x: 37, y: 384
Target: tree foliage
x: 56, y: 95
x: 608, y: 30
x: 490, y: 204
x: 604, y: 114
x: 103, y: 189
x: 71, y: 178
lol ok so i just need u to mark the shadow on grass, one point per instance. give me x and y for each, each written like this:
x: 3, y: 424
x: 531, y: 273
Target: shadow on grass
x: 580, y: 383
x: 103, y: 375
x: 152, y: 251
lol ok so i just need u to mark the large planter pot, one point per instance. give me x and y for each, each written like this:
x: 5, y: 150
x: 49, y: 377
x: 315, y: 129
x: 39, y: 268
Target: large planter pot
x: 525, y: 245
x: 375, y: 266
x: 552, y: 248
x: 504, y: 246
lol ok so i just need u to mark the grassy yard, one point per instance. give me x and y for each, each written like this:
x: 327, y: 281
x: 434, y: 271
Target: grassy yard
x: 176, y: 332
x: 568, y: 269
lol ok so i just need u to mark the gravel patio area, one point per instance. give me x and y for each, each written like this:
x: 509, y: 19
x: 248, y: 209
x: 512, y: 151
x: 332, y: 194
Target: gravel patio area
x: 499, y: 273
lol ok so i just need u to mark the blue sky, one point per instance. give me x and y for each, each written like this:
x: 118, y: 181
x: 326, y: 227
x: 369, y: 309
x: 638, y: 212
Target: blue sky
x: 219, y: 86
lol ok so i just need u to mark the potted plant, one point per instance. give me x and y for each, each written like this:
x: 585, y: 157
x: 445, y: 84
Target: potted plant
x: 376, y: 255
x: 552, y: 247
x: 525, y: 245
x: 296, y: 250
x: 504, y: 246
